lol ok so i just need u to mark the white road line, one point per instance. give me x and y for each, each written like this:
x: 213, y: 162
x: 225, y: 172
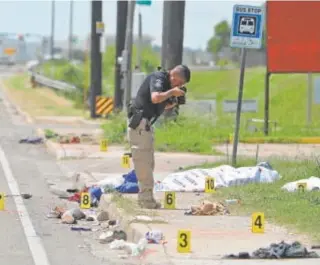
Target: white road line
x: 35, y: 245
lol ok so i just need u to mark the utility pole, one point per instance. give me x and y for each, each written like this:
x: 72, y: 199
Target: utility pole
x: 70, y: 30
x: 172, y: 33
x: 127, y: 54
x: 53, y: 4
x: 96, y: 58
x: 172, y: 41
x: 139, y: 46
x: 122, y: 10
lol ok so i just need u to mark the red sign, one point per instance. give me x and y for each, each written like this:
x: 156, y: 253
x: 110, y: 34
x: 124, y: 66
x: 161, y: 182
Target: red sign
x: 293, y: 36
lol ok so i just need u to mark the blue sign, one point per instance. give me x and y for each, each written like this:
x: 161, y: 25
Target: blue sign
x: 247, y: 27
x: 143, y: 2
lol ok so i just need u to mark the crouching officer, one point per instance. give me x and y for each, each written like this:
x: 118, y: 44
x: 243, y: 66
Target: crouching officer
x: 159, y: 91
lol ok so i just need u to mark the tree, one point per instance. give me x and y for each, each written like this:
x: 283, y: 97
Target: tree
x: 220, y: 39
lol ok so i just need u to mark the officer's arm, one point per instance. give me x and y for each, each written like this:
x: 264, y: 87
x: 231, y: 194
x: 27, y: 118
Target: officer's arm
x: 157, y: 88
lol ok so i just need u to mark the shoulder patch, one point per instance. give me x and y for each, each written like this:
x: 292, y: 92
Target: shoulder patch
x: 158, y: 83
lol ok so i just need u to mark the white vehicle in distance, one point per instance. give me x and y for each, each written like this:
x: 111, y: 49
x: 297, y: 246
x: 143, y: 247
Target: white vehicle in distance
x: 247, y: 25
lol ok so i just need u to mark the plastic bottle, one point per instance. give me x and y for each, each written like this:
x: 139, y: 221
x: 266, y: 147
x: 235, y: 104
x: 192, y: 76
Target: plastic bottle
x: 232, y: 201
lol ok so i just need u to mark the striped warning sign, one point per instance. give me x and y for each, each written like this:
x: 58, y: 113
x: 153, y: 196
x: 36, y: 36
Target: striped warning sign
x: 104, y: 105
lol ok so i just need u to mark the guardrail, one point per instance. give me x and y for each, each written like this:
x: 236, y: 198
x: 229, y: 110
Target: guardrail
x: 38, y: 79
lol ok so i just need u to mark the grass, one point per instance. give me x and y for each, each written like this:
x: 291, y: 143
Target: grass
x: 182, y: 136
x: 297, y: 211
x: 131, y: 208
x: 198, y: 133
x: 38, y: 101
x: 288, y: 100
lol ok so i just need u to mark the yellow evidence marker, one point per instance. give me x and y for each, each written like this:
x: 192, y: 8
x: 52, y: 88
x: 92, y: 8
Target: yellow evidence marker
x: 257, y: 222
x: 2, y: 197
x: 103, y: 145
x: 301, y: 186
x: 125, y: 161
x: 85, y: 201
x: 209, y: 185
x: 170, y: 200
x: 184, y: 241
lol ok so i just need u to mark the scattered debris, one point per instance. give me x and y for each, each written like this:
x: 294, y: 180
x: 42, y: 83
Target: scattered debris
x: 31, y: 140
x: 155, y: 237
x: 57, y: 212
x: 81, y: 228
x: 104, y: 225
x: 143, y: 218
x: 91, y: 218
x: 277, y: 251
x: 102, y: 216
x: 232, y: 201
x: 23, y: 195
x: 67, y: 218
x: 112, y: 222
x: 208, y: 208
x: 120, y: 235
x: 49, y: 134
x: 131, y: 248
x: 77, y: 214
x: 106, y: 237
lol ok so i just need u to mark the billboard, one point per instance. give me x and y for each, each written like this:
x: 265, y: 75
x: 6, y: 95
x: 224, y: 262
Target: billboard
x: 293, y: 36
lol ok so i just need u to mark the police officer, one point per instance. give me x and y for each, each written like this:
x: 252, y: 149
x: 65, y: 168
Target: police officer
x: 159, y: 91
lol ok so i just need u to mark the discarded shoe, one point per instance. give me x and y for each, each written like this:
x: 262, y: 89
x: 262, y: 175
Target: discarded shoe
x: 31, y: 140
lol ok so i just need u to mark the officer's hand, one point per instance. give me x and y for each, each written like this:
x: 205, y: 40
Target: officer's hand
x: 177, y: 92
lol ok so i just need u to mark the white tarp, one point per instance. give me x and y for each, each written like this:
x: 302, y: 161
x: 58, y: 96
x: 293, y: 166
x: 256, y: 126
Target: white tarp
x: 312, y: 183
x: 225, y: 176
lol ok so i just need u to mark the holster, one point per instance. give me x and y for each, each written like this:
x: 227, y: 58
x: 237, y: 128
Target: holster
x: 135, y: 116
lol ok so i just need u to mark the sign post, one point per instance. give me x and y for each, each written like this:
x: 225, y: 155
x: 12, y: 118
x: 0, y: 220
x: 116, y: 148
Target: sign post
x: 246, y: 33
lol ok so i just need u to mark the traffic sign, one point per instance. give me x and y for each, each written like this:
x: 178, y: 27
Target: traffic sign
x: 99, y: 27
x: 247, y: 27
x: 10, y: 51
x: 143, y: 2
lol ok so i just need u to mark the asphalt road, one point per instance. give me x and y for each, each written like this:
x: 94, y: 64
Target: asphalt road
x: 27, y: 237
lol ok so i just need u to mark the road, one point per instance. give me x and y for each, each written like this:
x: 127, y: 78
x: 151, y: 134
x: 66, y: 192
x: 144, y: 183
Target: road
x: 27, y: 236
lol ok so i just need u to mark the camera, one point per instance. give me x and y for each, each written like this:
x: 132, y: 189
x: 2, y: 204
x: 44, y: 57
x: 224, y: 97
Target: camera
x: 182, y: 99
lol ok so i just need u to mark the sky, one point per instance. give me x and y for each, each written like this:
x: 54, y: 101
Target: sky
x: 35, y: 17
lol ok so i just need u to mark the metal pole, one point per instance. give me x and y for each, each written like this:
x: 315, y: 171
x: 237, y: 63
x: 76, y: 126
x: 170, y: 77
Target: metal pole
x: 139, y: 46
x: 70, y: 30
x: 52, y: 27
x: 266, y: 104
x: 128, y: 54
x: 239, y: 105
x: 96, y: 58
x: 122, y: 10
x: 309, y: 99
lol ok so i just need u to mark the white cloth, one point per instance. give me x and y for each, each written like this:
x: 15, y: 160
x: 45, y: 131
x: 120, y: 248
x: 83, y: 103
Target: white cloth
x: 225, y: 176
x: 313, y: 183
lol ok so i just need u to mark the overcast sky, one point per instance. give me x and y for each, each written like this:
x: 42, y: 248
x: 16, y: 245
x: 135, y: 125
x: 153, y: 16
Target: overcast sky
x: 35, y: 17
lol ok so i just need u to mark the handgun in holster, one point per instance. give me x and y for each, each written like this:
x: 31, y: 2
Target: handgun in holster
x: 134, y: 116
